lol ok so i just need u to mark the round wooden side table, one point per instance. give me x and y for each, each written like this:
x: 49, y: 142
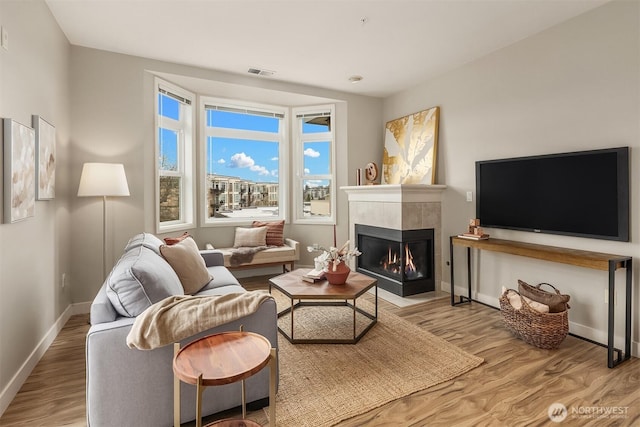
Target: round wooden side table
x: 221, y: 359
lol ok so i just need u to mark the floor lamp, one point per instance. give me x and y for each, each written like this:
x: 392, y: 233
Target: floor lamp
x: 103, y: 180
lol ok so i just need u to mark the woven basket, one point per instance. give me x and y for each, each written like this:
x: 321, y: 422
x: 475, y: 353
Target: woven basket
x: 543, y: 330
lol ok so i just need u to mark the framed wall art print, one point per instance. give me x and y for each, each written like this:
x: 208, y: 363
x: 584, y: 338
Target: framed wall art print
x: 19, y: 171
x: 45, y: 159
x: 410, y: 149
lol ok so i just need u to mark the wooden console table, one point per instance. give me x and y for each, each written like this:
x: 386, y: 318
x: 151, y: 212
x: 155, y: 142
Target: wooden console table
x: 580, y: 258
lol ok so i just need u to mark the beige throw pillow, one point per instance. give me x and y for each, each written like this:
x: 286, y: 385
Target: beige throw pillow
x: 185, y: 259
x: 250, y: 237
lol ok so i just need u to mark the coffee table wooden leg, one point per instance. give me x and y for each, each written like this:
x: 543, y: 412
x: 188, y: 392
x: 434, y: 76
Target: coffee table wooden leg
x: 273, y: 362
x: 176, y: 391
x: 199, y: 390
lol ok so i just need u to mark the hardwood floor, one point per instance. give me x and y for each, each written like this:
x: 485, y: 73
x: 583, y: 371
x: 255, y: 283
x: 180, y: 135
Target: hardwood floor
x: 514, y: 387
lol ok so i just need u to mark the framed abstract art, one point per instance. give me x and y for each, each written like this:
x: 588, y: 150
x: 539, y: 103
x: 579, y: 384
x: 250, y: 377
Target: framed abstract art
x: 410, y: 148
x: 19, y: 171
x: 45, y: 159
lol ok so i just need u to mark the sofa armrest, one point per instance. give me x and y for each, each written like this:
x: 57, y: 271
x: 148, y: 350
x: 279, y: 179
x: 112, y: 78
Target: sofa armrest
x: 102, y: 310
x: 295, y: 245
x: 212, y: 257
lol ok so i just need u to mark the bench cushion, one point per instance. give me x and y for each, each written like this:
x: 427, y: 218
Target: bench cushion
x: 274, y: 254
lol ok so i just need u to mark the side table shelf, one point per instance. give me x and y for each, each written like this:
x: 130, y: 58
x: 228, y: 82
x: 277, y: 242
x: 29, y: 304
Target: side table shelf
x: 580, y: 258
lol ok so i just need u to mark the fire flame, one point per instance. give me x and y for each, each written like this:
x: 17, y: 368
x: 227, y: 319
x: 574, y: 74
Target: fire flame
x: 392, y: 261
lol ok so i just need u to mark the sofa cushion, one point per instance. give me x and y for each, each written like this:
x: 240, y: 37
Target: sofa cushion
x: 250, y: 237
x: 275, y: 232
x: 222, y: 277
x: 147, y: 240
x: 184, y: 257
x: 140, y: 278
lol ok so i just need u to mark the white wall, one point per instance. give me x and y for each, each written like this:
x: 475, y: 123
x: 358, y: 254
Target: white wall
x: 113, y: 121
x: 34, y: 79
x: 573, y: 87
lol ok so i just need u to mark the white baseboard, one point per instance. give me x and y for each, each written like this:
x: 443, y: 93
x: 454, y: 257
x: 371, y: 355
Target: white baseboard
x: 12, y: 388
x: 81, y: 308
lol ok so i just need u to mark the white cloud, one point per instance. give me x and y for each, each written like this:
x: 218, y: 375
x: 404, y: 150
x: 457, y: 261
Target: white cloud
x: 309, y: 152
x: 261, y: 170
x: 274, y: 159
x: 221, y: 161
x: 306, y: 171
x: 241, y: 160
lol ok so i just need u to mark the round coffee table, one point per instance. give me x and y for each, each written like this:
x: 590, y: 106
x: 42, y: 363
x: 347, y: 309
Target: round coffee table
x: 221, y: 359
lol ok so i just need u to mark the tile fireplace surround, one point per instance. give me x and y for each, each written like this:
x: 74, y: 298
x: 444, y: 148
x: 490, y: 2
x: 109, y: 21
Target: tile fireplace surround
x: 399, y: 207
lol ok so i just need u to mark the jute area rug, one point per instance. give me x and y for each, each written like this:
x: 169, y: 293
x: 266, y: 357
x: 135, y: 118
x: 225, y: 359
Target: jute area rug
x: 323, y: 384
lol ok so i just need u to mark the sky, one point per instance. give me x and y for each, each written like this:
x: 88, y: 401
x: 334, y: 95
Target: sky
x: 248, y: 159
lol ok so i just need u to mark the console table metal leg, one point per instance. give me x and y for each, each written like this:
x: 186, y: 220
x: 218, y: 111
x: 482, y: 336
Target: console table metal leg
x: 462, y: 298
x: 453, y: 297
x: 627, y: 336
x: 468, y: 274
x: 611, y: 318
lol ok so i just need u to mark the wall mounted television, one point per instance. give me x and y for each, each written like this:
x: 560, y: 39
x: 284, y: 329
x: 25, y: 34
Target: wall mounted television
x: 584, y: 194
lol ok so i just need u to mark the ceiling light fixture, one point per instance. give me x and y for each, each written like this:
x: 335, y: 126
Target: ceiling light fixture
x: 355, y: 79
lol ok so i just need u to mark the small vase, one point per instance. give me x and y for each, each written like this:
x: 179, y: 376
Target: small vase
x: 339, y: 275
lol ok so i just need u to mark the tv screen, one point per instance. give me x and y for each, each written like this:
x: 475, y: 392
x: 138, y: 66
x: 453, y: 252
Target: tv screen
x: 582, y: 194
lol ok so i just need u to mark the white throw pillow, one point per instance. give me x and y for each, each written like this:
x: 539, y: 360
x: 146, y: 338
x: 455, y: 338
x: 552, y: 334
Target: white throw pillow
x: 250, y: 237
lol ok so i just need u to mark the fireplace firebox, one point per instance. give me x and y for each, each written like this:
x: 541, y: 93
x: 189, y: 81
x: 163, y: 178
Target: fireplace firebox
x: 401, y: 260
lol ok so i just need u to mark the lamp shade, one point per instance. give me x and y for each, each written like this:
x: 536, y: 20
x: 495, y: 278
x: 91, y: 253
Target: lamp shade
x: 103, y: 179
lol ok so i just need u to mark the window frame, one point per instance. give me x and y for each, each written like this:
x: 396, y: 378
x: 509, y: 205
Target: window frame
x: 299, y: 177
x: 185, y: 157
x: 283, y: 156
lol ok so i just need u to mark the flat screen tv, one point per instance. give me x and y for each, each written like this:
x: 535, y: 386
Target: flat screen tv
x: 583, y: 194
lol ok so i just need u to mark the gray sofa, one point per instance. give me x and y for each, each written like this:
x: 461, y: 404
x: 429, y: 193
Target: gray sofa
x: 129, y: 387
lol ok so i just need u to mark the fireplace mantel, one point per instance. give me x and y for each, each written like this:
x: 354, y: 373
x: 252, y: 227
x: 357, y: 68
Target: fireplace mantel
x: 398, y: 193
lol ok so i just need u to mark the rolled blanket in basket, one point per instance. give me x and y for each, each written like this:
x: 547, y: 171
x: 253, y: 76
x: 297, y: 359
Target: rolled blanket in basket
x: 515, y: 300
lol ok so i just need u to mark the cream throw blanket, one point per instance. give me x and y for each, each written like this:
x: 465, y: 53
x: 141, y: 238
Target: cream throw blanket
x: 181, y: 316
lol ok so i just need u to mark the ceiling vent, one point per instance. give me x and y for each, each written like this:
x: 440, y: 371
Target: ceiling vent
x: 261, y: 72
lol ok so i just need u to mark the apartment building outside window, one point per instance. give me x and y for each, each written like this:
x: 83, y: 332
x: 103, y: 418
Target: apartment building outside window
x: 244, y: 177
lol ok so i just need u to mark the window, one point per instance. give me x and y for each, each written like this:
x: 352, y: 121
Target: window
x: 174, y: 154
x: 243, y: 148
x: 314, y: 194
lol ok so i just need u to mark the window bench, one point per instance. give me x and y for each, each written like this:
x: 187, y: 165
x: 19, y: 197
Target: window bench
x: 276, y: 255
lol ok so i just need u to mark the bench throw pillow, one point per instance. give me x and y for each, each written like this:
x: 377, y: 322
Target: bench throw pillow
x: 185, y: 259
x: 275, y: 232
x: 139, y: 279
x: 250, y: 237
x: 173, y: 240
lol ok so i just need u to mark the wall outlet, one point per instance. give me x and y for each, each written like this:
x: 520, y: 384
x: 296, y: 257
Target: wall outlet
x: 469, y: 196
x: 63, y: 282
